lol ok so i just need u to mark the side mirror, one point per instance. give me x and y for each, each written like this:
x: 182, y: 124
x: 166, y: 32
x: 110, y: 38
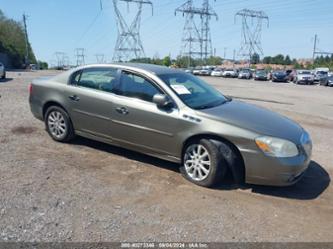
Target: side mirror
x: 162, y: 101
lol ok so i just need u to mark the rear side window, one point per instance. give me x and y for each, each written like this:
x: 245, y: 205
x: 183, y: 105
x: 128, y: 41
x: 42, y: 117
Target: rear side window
x: 103, y: 79
x: 135, y: 86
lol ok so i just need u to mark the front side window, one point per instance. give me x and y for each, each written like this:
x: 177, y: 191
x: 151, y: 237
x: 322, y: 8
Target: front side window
x: 194, y: 92
x: 135, y: 86
x: 97, y: 78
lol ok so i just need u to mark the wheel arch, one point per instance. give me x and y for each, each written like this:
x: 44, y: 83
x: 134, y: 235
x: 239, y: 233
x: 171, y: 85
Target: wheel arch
x: 238, y: 169
x: 50, y: 103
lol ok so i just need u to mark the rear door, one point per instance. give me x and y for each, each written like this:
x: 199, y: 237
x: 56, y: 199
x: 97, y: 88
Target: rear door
x: 90, y: 98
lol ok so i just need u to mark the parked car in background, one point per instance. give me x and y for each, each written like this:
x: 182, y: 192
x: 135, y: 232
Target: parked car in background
x: 291, y: 74
x: 261, y: 75
x: 328, y: 81
x: 320, y: 76
x: 205, y: 72
x: 188, y: 70
x: 176, y: 116
x: 230, y: 73
x: 217, y: 72
x: 245, y: 74
x: 280, y: 76
x: 2, y: 71
x: 196, y: 70
x: 304, y: 77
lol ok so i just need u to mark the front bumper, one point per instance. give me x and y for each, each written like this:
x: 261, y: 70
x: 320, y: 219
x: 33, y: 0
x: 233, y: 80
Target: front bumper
x: 280, y: 79
x: 265, y: 170
x: 302, y: 81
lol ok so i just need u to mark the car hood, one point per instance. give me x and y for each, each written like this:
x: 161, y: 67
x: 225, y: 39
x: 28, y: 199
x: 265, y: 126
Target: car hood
x: 256, y: 119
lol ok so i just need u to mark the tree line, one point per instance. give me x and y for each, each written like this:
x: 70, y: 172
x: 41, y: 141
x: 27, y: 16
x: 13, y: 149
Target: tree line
x: 180, y: 61
x: 322, y: 61
x: 12, y: 43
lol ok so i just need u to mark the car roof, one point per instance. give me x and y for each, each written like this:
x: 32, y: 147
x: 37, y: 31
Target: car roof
x: 155, y: 69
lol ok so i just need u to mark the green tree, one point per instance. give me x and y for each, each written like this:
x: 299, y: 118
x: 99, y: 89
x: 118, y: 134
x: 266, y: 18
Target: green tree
x: 167, y: 61
x: 12, y: 42
x: 214, y: 60
x: 287, y: 60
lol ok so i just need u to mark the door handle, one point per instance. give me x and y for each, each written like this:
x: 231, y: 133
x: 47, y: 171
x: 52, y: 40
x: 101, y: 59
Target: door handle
x: 122, y: 110
x: 74, y: 97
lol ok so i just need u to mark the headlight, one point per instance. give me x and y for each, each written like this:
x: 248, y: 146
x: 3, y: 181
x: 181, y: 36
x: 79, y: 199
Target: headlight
x: 276, y: 147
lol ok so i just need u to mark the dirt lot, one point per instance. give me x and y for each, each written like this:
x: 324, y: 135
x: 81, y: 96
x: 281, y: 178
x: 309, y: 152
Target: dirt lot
x: 89, y: 191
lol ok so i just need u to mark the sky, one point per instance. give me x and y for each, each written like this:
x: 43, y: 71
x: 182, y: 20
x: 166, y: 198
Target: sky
x: 63, y: 25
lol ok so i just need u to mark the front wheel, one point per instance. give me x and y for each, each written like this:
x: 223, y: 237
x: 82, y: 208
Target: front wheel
x: 58, y: 124
x: 203, y: 164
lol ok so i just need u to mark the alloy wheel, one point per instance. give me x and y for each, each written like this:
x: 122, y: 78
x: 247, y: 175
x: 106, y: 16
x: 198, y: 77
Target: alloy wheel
x: 197, y: 162
x: 57, y: 125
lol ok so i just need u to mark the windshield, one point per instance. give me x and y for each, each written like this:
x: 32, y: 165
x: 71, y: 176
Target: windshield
x: 193, y: 91
x: 260, y: 72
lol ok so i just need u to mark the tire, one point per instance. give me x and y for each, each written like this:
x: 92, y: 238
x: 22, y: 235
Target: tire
x: 58, y: 124
x: 3, y: 76
x: 192, y: 164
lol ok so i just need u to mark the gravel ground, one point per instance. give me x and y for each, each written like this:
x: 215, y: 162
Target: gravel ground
x: 89, y: 191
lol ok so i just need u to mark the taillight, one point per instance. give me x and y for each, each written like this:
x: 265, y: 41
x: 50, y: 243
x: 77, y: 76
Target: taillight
x: 30, y: 89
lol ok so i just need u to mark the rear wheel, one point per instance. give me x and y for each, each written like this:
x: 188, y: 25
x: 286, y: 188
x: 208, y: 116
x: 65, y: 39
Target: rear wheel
x: 203, y: 164
x: 58, y: 124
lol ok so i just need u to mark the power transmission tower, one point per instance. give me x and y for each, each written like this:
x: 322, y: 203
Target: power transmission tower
x: 206, y: 14
x: 26, y: 60
x: 100, y: 58
x: 128, y: 44
x: 196, y: 42
x: 79, y: 54
x: 60, y: 59
x: 252, y: 22
x: 191, y: 40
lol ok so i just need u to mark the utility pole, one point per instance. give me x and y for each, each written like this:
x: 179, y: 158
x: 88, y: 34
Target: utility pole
x: 314, y: 47
x: 317, y: 51
x: 128, y: 44
x: 252, y: 22
x: 234, y: 58
x: 26, y: 60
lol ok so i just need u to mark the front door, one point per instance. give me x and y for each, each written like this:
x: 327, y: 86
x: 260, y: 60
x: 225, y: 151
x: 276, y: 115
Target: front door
x: 137, y: 121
